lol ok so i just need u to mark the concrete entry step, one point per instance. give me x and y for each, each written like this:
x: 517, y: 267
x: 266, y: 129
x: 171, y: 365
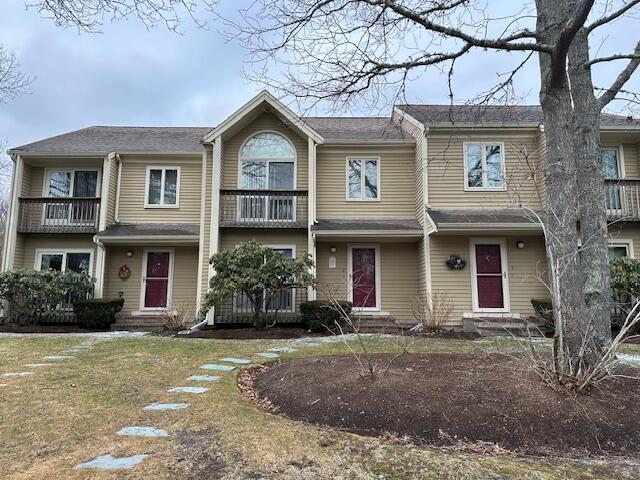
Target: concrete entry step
x: 379, y: 323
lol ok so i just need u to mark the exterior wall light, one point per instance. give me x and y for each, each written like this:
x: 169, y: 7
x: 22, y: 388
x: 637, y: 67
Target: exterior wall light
x: 520, y: 244
x: 333, y: 249
x: 129, y: 253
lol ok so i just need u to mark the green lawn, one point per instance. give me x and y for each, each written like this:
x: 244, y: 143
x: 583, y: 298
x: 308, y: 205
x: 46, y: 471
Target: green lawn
x: 69, y: 413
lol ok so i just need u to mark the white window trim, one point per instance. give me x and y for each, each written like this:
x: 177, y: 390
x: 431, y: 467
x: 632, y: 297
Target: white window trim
x: 268, y: 160
x: 505, y: 276
x: 626, y: 243
x: 482, y: 144
x: 143, y: 279
x: 162, y: 182
x: 350, y: 248
x: 363, y: 197
x: 47, y: 171
x: 64, y: 252
x: 294, y: 256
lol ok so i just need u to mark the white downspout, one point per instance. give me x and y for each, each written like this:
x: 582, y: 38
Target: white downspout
x: 117, y: 208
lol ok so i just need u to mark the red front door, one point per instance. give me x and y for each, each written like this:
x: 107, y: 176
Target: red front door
x: 157, y: 279
x: 363, y: 277
x: 489, y: 275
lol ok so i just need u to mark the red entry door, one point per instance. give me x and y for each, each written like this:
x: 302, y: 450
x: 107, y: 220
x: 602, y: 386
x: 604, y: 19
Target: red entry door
x: 157, y: 279
x: 363, y: 277
x: 489, y: 276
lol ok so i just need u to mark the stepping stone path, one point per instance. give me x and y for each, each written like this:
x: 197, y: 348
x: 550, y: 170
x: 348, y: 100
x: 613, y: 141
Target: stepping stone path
x: 239, y: 361
x: 217, y: 366
x: 283, y: 350
x: 17, y: 374
x: 203, y: 378
x: 166, y: 406
x: 267, y: 355
x: 108, y: 462
x: 310, y: 344
x: 58, y: 357
x: 38, y: 365
x: 187, y: 390
x: 142, y: 432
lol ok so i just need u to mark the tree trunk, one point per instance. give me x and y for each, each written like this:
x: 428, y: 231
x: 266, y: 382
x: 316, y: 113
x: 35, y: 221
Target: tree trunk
x: 591, y: 201
x: 561, y: 207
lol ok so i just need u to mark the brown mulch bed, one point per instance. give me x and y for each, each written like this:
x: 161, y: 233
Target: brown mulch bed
x: 459, y: 401
x: 250, y: 333
x: 13, y: 328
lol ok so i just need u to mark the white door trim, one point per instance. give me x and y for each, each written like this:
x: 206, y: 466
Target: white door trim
x: 505, y: 269
x: 376, y: 248
x: 143, y: 278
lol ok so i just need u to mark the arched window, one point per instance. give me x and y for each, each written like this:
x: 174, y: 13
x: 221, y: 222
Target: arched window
x: 267, y: 162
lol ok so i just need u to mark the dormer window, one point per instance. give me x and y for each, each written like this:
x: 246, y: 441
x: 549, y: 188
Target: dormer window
x: 484, y: 166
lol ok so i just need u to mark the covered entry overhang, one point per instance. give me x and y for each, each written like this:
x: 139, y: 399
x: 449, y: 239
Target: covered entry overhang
x: 150, y: 234
x: 346, y: 229
x: 488, y: 221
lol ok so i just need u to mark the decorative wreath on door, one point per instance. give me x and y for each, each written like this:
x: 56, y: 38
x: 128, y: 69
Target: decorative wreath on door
x: 124, y: 272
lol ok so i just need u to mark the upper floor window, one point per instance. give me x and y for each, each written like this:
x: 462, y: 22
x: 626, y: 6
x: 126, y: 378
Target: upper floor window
x: 267, y: 162
x: 484, y: 166
x: 363, y: 178
x: 611, y: 168
x: 163, y: 186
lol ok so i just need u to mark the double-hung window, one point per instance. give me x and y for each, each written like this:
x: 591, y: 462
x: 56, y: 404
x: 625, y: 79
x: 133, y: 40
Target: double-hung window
x: 612, y: 170
x: 484, y: 166
x: 363, y: 178
x: 163, y: 187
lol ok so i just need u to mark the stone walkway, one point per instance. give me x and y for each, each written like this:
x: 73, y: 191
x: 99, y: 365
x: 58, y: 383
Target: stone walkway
x: 225, y: 365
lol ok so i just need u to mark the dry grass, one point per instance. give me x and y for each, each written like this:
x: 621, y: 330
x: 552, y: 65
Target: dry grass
x: 67, y: 414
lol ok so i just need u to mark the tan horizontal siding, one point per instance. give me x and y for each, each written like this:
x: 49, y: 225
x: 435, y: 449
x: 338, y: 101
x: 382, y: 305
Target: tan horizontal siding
x: 526, y: 269
x: 397, y: 183
x: 185, y: 268
x: 229, y: 239
x: 133, y: 190
x: 31, y: 243
x: 266, y: 121
x: 524, y: 172
x: 626, y: 231
x: 398, y: 276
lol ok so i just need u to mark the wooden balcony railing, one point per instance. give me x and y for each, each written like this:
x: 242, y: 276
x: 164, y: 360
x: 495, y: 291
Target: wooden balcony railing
x: 58, y: 215
x: 623, y: 199
x: 264, y: 208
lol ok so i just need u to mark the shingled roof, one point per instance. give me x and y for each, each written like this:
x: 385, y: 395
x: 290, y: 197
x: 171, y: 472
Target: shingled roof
x: 349, y: 129
x: 494, y: 115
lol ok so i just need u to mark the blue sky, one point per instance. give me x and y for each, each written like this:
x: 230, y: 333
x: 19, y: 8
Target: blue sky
x: 129, y: 75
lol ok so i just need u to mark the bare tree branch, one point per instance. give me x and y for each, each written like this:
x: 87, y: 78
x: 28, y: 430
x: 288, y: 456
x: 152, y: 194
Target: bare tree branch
x: 612, y: 16
x: 623, y: 77
x: 89, y: 15
x: 13, y: 82
x: 610, y: 58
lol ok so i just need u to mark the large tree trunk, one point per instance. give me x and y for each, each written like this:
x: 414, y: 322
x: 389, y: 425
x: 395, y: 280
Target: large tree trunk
x: 561, y: 206
x: 591, y: 201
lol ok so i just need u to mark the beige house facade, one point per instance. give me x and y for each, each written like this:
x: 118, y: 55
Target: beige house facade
x: 430, y: 198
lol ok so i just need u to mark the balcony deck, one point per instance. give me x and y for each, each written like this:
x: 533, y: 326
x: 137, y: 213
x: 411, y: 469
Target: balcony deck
x: 58, y: 215
x: 264, y: 208
x: 623, y: 199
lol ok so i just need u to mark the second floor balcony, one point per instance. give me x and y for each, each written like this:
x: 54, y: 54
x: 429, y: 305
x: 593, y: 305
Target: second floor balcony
x: 623, y: 199
x: 58, y: 215
x: 264, y: 208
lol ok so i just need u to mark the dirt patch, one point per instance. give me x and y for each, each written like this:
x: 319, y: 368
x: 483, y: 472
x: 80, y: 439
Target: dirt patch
x: 250, y: 333
x: 448, y: 335
x: 453, y: 400
x: 13, y: 328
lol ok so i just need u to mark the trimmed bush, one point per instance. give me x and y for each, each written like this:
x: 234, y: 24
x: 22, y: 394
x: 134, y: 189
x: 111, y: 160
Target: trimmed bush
x: 33, y: 296
x: 98, y: 312
x: 320, y: 315
x: 544, y: 309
